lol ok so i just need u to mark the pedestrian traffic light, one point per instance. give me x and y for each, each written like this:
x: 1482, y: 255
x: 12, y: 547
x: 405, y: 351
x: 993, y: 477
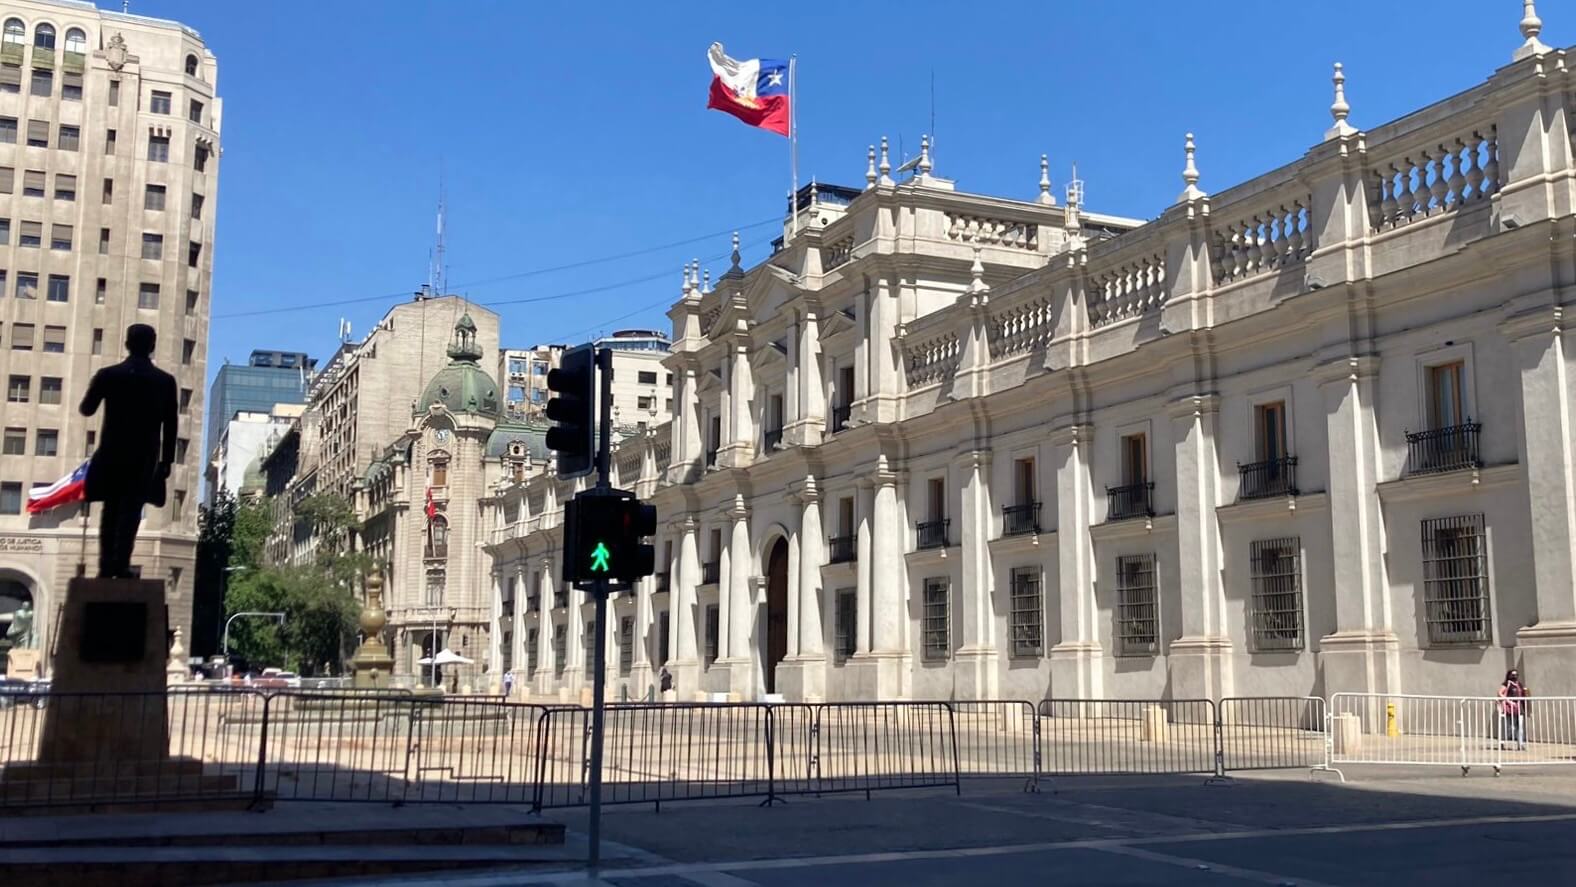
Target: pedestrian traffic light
x: 572, y: 410
x: 602, y: 537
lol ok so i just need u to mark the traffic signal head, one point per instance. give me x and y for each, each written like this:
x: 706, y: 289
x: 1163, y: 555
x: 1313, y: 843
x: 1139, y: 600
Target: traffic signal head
x: 637, y: 521
x: 572, y: 410
x: 602, y: 538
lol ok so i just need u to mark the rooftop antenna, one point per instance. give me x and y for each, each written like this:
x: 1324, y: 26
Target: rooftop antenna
x: 125, y: 7
x: 439, y: 285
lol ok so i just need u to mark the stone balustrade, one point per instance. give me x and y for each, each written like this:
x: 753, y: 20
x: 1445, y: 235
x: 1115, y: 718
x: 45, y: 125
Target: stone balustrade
x: 1434, y: 178
x: 1129, y: 290
x: 1273, y: 238
x: 993, y: 232
x: 1023, y: 325
x: 931, y: 359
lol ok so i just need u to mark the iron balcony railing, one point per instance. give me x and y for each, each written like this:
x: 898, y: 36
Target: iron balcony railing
x: 1019, y: 520
x: 1443, y: 449
x: 1130, y: 500
x: 932, y: 533
x: 710, y: 572
x: 1272, y: 477
x: 844, y: 549
x: 772, y: 438
x: 840, y: 416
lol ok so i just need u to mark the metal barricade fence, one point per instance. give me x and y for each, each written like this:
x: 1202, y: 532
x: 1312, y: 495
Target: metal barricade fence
x: 1273, y: 733
x: 1462, y: 731
x: 1127, y: 736
x: 869, y: 746
x: 998, y: 738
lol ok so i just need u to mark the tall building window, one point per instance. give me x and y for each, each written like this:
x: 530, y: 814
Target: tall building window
x: 532, y: 645
x: 54, y: 339
x: 60, y: 236
x: 148, y: 296
x: 65, y: 187
x: 845, y: 636
x: 438, y: 538
x: 1135, y: 459
x: 15, y: 442
x: 152, y: 246
x: 107, y: 195
x: 38, y: 133
x: 193, y: 254
x: 33, y: 183
x: 197, y: 201
x: 10, y: 498
x: 1027, y: 614
x: 109, y: 142
x: 7, y: 179
x: 191, y: 66
x: 194, y: 112
x: 15, y: 34
x: 31, y: 234
x: 1446, y: 408
x: 159, y: 103
x: 159, y: 149
x: 100, y: 291
x: 98, y: 342
x: 44, y: 37
x: 21, y: 337
x: 71, y: 86
x: 434, y: 588
x: 103, y: 242
x: 1137, y: 609
x: 1275, y: 612
x: 560, y: 650
x: 1455, y: 580
x: 712, y: 629
x: 200, y: 158
x: 10, y: 79
x: 153, y: 197
x: 5, y: 232
x: 18, y: 389
x: 26, y: 285
x: 69, y: 138
x: 42, y: 83
x: 49, y: 389
x: 181, y: 446
x: 188, y: 351
x: 626, y: 645
x: 646, y: 378
x: 938, y: 621
x: 47, y: 442
x: 191, y: 301
x: 186, y: 397
x: 59, y: 288
x: 8, y: 130
x: 114, y: 93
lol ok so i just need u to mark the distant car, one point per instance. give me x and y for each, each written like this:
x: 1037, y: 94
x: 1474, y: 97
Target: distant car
x: 14, y: 692
x: 277, y: 679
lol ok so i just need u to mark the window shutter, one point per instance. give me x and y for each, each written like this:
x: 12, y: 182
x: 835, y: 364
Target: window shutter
x: 34, y: 179
x: 7, y: 180
x: 11, y: 75
x: 38, y: 130
x: 69, y: 79
x: 33, y: 229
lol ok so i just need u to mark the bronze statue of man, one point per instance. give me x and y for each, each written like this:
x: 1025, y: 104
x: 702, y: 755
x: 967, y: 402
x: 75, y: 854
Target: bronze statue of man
x: 136, y: 446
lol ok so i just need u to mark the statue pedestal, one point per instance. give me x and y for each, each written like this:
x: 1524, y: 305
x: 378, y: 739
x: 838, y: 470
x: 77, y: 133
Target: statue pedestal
x: 105, y: 734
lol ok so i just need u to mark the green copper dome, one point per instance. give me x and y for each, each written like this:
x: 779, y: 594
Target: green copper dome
x: 462, y: 386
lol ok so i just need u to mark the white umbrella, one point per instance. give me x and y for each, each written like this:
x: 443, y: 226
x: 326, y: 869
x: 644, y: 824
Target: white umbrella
x: 448, y: 657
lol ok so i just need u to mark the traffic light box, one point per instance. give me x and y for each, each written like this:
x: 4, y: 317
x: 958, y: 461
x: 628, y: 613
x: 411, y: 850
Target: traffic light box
x: 604, y: 533
x: 572, y: 410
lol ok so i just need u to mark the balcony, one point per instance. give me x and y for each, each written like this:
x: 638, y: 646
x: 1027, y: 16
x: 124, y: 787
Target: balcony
x: 840, y: 416
x: 1020, y: 520
x: 710, y: 573
x: 771, y: 439
x: 844, y: 549
x: 1272, y: 477
x: 932, y: 533
x: 1443, y: 449
x: 1130, y: 500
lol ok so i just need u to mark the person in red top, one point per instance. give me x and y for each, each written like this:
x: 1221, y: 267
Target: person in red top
x: 1513, y: 711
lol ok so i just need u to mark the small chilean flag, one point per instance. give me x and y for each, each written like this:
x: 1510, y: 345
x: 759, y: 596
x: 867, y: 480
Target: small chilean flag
x: 69, y: 489
x: 431, y: 508
x: 755, y: 91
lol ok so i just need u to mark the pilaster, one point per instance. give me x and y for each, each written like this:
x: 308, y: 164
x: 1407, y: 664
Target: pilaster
x: 739, y: 659
x: 978, y: 657
x: 881, y: 668
x: 802, y: 675
x: 1200, y: 660
x: 1075, y: 661
x: 683, y: 663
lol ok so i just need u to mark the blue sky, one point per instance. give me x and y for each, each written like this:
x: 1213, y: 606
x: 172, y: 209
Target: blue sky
x: 569, y: 132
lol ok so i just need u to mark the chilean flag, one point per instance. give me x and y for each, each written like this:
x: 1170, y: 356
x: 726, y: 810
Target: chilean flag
x: 69, y: 489
x: 431, y: 508
x: 755, y: 91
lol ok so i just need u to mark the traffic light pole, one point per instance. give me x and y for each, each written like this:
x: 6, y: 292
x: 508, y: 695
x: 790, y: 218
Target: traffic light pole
x: 604, y: 364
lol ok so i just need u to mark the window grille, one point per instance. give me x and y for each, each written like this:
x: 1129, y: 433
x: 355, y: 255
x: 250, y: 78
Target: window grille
x: 1455, y: 580
x: 938, y: 622
x: 1275, y: 614
x: 1028, y: 621
x: 1137, y: 613
x: 847, y: 620
x: 711, y: 634
x: 626, y: 645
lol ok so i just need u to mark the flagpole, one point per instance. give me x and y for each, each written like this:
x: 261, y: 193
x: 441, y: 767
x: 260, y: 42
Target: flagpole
x: 793, y: 140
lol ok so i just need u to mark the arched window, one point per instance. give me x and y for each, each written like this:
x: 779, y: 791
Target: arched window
x: 438, y: 537
x: 77, y: 41
x: 191, y: 65
x: 440, y: 472
x: 44, y: 37
x: 15, y: 32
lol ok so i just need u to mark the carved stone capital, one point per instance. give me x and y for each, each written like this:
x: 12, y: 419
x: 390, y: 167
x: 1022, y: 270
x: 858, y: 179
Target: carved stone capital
x: 1194, y: 406
x: 1346, y: 369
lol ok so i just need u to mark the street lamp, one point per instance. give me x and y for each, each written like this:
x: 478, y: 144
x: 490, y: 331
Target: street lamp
x: 278, y: 617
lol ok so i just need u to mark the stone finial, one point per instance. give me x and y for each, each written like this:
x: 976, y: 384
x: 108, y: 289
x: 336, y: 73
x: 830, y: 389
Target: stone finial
x: 870, y: 167
x: 687, y: 287
x: 736, y: 250
x: 1190, y: 173
x: 815, y: 192
x: 924, y: 155
x: 886, y: 164
x: 1339, y: 109
x: 705, y: 281
x: 1046, y: 197
x: 695, y: 274
x: 977, y: 285
x: 1531, y: 27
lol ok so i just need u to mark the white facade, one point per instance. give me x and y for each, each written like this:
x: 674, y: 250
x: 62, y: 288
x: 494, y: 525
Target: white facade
x: 241, y: 445
x: 1309, y: 434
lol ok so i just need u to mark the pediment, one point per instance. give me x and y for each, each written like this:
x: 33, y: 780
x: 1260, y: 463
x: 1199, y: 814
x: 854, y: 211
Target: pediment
x: 771, y: 354
x: 710, y: 379
x: 838, y: 321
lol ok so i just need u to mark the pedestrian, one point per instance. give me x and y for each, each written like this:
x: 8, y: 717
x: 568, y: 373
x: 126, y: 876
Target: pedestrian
x: 666, y: 679
x: 508, y: 683
x: 1513, y: 695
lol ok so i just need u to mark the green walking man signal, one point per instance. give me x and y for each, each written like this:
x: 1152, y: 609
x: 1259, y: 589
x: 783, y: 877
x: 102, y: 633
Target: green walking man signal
x: 599, y: 556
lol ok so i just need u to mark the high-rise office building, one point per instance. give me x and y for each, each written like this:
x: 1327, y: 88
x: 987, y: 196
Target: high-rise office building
x: 267, y: 379
x: 109, y: 163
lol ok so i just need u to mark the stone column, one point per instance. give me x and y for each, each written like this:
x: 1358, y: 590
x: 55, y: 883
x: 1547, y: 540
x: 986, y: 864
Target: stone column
x: 577, y: 672
x: 1201, y: 659
x: 683, y: 663
x: 546, y: 683
x: 740, y: 616
x: 878, y: 671
x: 809, y: 419
x: 1363, y: 654
x: 978, y: 656
x: 1548, y: 646
x: 640, y: 675
x: 883, y: 382
x: 522, y: 668
x: 739, y: 446
x: 802, y: 675
x: 688, y: 446
x: 1075, y: 660
x: 865, y: 509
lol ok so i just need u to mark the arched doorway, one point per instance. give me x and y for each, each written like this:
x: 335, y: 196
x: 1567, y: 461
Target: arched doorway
x: 776, y: 611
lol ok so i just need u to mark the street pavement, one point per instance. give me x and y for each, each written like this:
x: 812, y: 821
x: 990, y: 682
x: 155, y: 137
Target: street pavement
x: 1387, y: 827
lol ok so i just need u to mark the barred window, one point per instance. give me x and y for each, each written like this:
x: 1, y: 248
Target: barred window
x: 435, y: 583
x: 560, y: 648
x: 1026, y: 618
x: 662, y: 638
x: 532, y: 645
x: 938, y: 621
x: 588, y: 645
x: 1137, y: 616
x: 711, y: 634
x: 1275, y: 614
x: 1455, y: 580
x: 626, y: 645
x: 847, y: 620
